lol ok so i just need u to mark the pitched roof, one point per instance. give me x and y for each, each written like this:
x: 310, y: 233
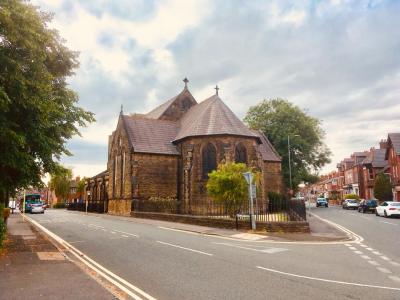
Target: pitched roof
x: 211, y: 117
x: 151, y: 135
x: 161, y: 110
x: 377, y: 158
x: 268, y: 152
x: 395, y: 139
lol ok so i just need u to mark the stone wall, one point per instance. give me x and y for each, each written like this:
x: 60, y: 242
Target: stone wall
x: 226, y: 223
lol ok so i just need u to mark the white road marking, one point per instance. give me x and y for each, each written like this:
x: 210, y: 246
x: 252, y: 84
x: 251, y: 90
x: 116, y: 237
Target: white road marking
x: 376, y: 253
x: 74, y: 242
x: 267, y: 250
x: 99, y: 269
x: 358, y: 252
x: 184, y: 248
x: 395, y: 278
x: 394, y: 263
x: 104, y: 229
x: 124, y: 235
x: 127, y: 233
x: 363, y: 246
x: 375, y: 263
x: 365, y: 257
x: 113, y: 232
x: 384, y: 257
x: 388, y: 223
x: 348, y: 245
x: 179, y: 230
x: 384, y: 270
x: 332, y: 281
x: 370, y: 249
x: 352, y: 248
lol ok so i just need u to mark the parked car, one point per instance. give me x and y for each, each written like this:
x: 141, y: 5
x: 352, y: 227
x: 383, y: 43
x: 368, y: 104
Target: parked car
x: 388, y: 209
x: 350, y: 204
x: 322, y: 202
x: 367, y: 205
x: 37, y: 208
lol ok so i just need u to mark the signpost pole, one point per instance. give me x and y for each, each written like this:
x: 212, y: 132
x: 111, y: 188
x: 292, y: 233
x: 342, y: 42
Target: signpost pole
x: 249, y: 178
x: 24, y: 201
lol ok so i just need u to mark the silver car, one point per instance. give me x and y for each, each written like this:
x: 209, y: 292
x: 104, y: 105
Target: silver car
x: 350, y: 204
x: 37, y: 208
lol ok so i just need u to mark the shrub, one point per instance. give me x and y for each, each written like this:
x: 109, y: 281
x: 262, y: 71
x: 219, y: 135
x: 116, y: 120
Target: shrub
x: 2, y: 226
x: 59, y: 205
x: 352, y: 196
x: 383, y: 188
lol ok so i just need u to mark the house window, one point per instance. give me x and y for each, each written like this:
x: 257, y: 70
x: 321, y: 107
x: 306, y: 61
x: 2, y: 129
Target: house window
x: 209, y: 158
x: 240, y: 154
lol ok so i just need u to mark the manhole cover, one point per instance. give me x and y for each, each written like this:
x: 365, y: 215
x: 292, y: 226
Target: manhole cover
x: 50, y: 256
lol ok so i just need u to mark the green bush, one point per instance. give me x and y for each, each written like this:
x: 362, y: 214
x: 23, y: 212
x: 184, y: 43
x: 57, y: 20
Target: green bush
x: 383, y: 188
x: 352, y: 196
x: 2, y: 226
x: 59, y: 205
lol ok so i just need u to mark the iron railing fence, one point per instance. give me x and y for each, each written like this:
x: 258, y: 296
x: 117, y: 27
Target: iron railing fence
x: 264, y: 211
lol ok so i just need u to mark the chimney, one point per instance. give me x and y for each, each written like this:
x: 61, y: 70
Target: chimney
x: 383, y: 144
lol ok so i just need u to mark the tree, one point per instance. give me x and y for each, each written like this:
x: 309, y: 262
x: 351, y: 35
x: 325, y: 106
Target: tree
x: 39, y: 112
x: 227, y: 186
x: 278, y: 119
x: 383, y: 188
x: 60, y: 182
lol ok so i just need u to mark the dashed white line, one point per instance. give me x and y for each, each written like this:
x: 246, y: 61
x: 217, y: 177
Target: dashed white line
x: 365, y: 257
x: 376, y: 253
x: 184, y: 248
x: 384, y: 270
x: 394, y: 263
x: 127, y: 233
x: 388, y: 223
x: 333, y: 281
x: 370, y: 249
x: 352, y: 248
x: 395, y: 278
x: 363, y: 246
x: 358, y: 252
x: 384, y: 257
x: 375, y: 263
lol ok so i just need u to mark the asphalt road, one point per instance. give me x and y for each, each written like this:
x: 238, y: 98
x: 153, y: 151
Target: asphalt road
x: 170, y: 264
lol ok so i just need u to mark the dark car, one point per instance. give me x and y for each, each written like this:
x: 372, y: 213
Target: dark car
x: 322, y: 202
x: 367, y: 206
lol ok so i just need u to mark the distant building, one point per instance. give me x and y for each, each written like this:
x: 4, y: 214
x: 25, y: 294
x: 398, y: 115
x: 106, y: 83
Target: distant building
x: 393, y: 157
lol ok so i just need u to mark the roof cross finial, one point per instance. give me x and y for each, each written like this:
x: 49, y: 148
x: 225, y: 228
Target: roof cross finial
x: 216, y: 89
x: 122, y: 109
x: 185, y: 80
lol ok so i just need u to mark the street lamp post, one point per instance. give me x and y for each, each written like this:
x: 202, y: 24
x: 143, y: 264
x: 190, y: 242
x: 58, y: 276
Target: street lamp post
x: 87, y: 200
x: 290, y: 166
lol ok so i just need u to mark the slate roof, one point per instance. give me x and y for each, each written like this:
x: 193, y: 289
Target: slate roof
x: 151, y: 135
x: 268, y: 152
x: 148, y: 134
x: 377, y: 158
x: 211, y: 117
x: 395, y: 139
x: 160, y: 110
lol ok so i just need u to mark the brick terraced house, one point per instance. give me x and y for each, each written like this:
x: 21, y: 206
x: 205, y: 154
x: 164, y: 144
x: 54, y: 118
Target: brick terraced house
x: 170, y: 151
x: 393, y: 157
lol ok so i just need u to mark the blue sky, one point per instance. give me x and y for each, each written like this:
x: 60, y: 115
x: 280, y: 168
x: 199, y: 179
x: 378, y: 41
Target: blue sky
x: 339, y: 60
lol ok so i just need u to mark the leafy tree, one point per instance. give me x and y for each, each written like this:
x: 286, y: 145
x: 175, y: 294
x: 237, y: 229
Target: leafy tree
x: 279, y: 119
x: 383, y: 188
x: 60, y: 182
x: 38, y: 109
x: 227, y: 186
x: 81, y: 185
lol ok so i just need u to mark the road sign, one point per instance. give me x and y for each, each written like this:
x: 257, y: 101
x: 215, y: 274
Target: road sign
x: 253, y: 191
x: 248, y: 176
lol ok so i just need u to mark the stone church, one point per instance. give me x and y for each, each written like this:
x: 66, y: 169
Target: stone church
x: 170, y: 151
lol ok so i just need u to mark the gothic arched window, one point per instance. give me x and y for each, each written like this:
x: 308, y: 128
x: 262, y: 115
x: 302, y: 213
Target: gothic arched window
x: 240, y: 154
x: 209, y: 158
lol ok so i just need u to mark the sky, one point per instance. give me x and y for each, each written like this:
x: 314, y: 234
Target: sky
x: 337, y: 60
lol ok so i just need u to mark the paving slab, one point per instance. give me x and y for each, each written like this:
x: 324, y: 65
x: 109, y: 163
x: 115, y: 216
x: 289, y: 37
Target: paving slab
x: 31, y: 267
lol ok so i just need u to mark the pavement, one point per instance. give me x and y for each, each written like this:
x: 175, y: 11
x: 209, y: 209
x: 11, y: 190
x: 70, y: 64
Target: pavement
x: 32, y: 267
